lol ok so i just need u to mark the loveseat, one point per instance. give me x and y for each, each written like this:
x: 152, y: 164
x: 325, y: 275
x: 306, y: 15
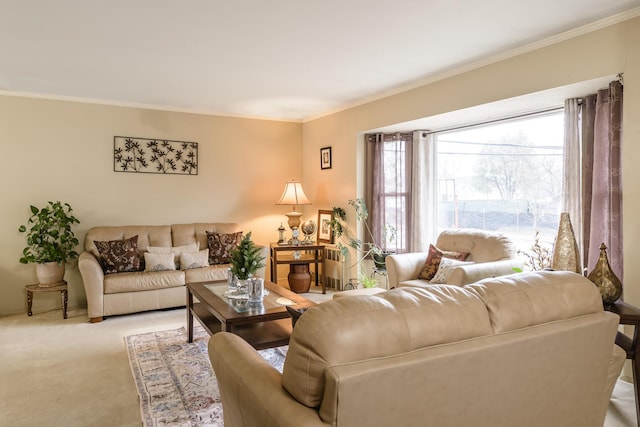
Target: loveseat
x: 469, y: 255
x: 110, y: 293
x: 530, y: 349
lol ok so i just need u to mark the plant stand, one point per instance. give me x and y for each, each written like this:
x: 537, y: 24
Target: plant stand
x: 58, y: 287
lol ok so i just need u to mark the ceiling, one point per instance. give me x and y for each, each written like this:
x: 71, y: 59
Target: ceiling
x: 276, y: 59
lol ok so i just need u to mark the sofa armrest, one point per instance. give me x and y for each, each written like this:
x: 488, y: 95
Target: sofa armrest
x: 402, y: 267
x: 251, y: 389
x: 93, y: 281
x: 472, y: 273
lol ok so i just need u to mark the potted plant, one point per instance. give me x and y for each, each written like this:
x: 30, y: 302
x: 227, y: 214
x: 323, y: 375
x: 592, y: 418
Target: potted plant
x: 50, y: 241
x: 370, y: 247
x: 246, y: 258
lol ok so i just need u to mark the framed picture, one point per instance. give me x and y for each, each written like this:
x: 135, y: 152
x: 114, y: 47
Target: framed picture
x: 325, y: 234
x: 325, y: 158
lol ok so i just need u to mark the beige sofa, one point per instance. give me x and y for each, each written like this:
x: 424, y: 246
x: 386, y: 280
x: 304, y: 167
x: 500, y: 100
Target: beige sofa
x: 131, y: 292
x: 531, y: 349
x: 491, y: 255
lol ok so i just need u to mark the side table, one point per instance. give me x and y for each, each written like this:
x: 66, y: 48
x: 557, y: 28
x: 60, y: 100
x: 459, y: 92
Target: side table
x: 630, y: 315
x: 57, y: 287
x: 299, y: 265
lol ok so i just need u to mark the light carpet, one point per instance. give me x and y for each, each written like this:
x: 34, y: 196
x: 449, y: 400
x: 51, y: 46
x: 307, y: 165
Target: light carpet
x: 175, y: 381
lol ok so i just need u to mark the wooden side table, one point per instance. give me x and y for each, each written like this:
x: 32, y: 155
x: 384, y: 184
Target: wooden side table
x: 309, y: 254
x: 58, y: 287
x: 630, y: 315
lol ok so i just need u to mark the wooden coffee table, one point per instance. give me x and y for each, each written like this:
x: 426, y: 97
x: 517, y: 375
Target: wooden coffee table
x: 265, y: 326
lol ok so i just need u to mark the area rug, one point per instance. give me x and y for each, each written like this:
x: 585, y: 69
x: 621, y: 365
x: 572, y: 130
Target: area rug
x: 175, y: 381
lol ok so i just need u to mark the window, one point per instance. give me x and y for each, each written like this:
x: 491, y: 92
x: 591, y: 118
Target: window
x: 504, y: 176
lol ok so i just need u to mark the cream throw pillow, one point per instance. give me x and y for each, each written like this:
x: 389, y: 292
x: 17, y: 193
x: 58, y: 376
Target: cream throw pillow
x: 447, y: 265
x: 158, y: 262
x: 175, y: 250
x: 189, y: 260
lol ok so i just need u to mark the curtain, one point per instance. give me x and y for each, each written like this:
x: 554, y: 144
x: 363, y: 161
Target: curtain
x: 593, y: 141
x: 606, y: 191
x: 423, y: 202
x: 388, y: 187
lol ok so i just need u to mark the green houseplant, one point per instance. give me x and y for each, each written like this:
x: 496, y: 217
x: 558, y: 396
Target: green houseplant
x: 370, y: 247
x: 50, y: 241
x: 246, y: 258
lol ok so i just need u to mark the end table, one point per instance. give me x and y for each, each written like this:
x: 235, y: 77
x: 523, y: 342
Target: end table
x: 630, y: 315
x: 56, y: 287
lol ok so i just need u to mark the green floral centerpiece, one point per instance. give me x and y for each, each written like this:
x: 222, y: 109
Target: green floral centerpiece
x: 246, y: 258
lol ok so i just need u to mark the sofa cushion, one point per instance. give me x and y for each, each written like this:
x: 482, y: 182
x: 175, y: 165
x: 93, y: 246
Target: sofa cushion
x: 210, y: 273
x: 159, y: 261
x: 434, y: 256
x: 527, y: 299
x: 346, y: 330
x: 143, y: 281
x: 446, y: 267
x: 148, y: 235
x: 184, y: 234
x: 482, y: 246
x: 190, y: 260
x: 221, y: 245
x: 175, y: 250
x: 118, y: 256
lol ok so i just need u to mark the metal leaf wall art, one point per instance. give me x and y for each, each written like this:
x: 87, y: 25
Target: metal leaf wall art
x: 154, y: 156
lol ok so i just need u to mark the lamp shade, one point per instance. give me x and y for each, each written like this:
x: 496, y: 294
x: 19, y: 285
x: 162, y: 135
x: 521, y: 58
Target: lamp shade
x: 293, y: 195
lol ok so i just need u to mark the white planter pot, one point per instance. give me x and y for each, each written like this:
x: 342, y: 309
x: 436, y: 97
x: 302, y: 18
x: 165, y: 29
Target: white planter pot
x: 50, y: 273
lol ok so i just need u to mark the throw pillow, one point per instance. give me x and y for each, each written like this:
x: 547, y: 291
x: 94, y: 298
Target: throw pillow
x: 189, y: 260
x: 447, y: 265
x: 175, y: 250
x: 119, y: 256
x: 159, y: 261
x: 221, y: 245
x: 430, y: 267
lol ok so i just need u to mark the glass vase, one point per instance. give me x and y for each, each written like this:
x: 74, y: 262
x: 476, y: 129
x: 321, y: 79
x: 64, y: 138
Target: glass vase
x: 565, y: 253
x: 605, y: 279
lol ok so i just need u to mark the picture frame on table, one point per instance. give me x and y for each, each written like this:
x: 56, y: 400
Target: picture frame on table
x: 325, y: 233
x: 325, y: 158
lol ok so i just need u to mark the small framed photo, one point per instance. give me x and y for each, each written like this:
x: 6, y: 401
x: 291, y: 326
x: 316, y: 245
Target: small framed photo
x: 325, y: 158
x: 325, y: 233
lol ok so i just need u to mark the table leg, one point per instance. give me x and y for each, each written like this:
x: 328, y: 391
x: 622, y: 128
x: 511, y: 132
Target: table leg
x: 65, y: 300
x: 189, y: 316
x: 635, y: 365
x: 29, y: 302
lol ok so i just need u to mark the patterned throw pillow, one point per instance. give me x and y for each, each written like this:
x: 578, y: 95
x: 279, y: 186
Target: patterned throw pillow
x: 159, y: 261
x: 189, y: 260
x: 430, y: 267
x: 447, y: 265
x: 221, y: 245
x: 119, y: 256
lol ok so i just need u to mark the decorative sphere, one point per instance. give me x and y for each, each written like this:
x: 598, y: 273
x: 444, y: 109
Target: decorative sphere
x: 309, y: 227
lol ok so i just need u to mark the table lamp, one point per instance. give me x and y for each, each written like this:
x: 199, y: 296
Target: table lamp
x: 293, y: 195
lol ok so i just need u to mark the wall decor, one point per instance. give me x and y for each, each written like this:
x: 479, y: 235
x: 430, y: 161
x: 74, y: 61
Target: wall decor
x: 325, y: 158
x: 325, y: 233
x: 154, y: 156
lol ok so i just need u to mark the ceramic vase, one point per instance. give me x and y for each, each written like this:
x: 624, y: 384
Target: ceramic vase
x: 608, y: 284
x: 565, y: 253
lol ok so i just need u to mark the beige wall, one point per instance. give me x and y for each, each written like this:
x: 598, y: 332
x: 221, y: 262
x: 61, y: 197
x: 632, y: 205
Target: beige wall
x: 601, y: 53
x: 55, y: 150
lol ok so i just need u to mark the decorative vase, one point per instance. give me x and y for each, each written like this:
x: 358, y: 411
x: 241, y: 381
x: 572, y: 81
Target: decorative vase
x: 299, y: 278
x: 565, y: 253
x: 605, y: 279
x: 256, y: 291
x: 50, y: 273
x: 380, y: 260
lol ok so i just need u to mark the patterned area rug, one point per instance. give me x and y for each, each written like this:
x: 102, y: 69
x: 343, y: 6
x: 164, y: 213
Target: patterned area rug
x: 175, y: 381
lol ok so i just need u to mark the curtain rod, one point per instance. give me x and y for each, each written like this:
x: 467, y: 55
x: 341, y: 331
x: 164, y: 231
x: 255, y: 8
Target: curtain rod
x: 488, y: 122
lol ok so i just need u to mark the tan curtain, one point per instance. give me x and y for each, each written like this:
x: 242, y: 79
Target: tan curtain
x: 423, y: 202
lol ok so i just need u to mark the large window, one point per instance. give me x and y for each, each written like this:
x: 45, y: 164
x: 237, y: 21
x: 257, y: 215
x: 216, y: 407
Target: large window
x: 504, y: 176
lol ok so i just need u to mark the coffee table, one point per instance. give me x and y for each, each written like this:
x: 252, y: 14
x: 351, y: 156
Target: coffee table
x: 267, y: 325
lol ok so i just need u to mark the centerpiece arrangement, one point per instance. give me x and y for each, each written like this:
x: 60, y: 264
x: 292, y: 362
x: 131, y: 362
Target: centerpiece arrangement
x: 245, y: 261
